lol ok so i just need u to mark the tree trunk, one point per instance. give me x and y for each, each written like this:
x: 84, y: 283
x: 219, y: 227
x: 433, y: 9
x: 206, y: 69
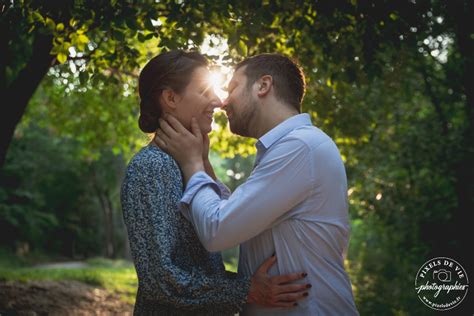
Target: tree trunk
x: 110, y: 222
x: 462, y: 12
x: 16, y: 95
x: 109, y: 245
x: 107, y: 214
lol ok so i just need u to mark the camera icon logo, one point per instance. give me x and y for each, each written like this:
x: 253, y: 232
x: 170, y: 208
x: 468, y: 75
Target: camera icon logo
x: 441, y: 283
x: 442, y: 275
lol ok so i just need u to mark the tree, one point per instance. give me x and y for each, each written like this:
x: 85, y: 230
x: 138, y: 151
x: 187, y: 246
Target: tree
x: 390, y: 81
x: 36, y: 35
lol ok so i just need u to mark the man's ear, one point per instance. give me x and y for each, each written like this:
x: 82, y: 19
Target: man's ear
x: 169, y: 99
x: 264, y: 85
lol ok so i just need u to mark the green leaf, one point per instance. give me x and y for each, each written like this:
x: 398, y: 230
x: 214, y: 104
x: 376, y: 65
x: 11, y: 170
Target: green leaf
x: 72, y: 22
x: 50, y: 24
x: 56, y: 49
x: 38, y: 17
x: 242, y: 48
x: 83, y: 39
x: 61, y: 57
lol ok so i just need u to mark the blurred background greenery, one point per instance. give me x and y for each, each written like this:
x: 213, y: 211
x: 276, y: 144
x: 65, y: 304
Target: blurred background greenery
x: 390, y: 81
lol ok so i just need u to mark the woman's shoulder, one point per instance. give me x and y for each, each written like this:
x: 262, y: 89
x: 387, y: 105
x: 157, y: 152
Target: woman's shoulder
x: 151, y: 155
x: 151, y: 159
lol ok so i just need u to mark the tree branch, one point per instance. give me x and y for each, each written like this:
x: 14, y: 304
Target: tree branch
x: 434, y: 100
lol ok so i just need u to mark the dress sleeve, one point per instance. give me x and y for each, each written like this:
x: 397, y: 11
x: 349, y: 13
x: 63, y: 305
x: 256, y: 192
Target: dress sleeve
x: 149, y: 197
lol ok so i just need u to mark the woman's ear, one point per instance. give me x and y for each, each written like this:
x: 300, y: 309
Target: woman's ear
x: 264, y: 85
x: 169, y: 99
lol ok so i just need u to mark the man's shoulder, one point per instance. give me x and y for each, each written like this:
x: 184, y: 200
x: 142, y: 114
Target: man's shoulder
x: 308, y: 135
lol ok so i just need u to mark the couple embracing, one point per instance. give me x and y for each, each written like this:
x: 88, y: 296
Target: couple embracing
x: 290, y: 217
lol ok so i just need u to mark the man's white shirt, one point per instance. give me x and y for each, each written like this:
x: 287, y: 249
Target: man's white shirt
x: 294, y: 203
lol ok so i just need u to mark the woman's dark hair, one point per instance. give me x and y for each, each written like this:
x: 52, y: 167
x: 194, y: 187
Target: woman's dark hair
x: 170, y: 70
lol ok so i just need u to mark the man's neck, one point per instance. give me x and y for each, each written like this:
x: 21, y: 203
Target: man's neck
x: 270, y: 117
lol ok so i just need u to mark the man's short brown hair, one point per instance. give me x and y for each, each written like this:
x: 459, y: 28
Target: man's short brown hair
x: 288, y: 77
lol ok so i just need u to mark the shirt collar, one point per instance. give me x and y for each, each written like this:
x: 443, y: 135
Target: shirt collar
x: 283, y: 128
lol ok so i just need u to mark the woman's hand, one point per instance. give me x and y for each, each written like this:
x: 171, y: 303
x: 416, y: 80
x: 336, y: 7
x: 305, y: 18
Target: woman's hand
x: 205, y: 148
x: 276, y: 291
x: 184, y: 146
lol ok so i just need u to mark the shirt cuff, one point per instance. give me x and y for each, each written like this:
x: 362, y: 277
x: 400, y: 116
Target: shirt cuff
x: 197, y: 181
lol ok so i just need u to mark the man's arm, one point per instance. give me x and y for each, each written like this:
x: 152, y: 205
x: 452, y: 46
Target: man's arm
x: 152, y: 228
x: 280, y: 182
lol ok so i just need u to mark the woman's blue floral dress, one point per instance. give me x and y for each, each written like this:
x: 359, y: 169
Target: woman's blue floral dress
x: 176, y: 274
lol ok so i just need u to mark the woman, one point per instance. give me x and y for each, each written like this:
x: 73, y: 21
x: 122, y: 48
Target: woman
x: 176, y: 275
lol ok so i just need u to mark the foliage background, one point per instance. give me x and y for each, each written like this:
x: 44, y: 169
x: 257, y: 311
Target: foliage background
x: 389, y: 81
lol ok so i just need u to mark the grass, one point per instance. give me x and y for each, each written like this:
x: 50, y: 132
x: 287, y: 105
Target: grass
x: 231, y: 259
x: 117, y: 276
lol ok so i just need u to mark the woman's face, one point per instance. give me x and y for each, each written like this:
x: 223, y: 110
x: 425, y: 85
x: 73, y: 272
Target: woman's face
x: 197, y: 100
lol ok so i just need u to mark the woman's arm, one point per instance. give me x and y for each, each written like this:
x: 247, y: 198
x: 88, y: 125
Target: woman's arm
x: 149, y: 198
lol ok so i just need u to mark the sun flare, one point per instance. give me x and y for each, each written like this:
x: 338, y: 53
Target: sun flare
x: 218, y: 79
x: 220, y: 72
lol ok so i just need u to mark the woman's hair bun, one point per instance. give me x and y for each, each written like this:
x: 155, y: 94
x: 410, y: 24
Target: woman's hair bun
x: 148, y: 120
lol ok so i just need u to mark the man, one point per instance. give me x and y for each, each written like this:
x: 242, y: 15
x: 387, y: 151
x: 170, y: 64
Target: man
x: 294, y: 203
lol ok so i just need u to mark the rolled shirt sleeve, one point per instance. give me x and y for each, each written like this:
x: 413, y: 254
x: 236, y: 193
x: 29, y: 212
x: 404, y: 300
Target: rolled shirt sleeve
x: 197, y: 181
x: 281, y: 181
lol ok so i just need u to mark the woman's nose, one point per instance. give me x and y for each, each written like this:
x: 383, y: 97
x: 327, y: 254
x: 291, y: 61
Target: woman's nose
x: 216, y: 103
x: 225, y: 102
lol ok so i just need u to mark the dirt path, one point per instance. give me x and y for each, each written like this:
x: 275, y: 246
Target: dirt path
x: 63, y: 265
x: 58, y: 298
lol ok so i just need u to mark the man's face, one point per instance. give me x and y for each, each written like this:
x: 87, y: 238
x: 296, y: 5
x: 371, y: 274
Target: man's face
x: 240, y: 105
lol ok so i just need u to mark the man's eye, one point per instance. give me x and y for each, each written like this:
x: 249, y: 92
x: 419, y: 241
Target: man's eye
x: 229, y: 88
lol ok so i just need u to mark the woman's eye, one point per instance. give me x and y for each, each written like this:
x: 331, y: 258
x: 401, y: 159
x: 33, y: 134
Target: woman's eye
x: 205, y: 92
